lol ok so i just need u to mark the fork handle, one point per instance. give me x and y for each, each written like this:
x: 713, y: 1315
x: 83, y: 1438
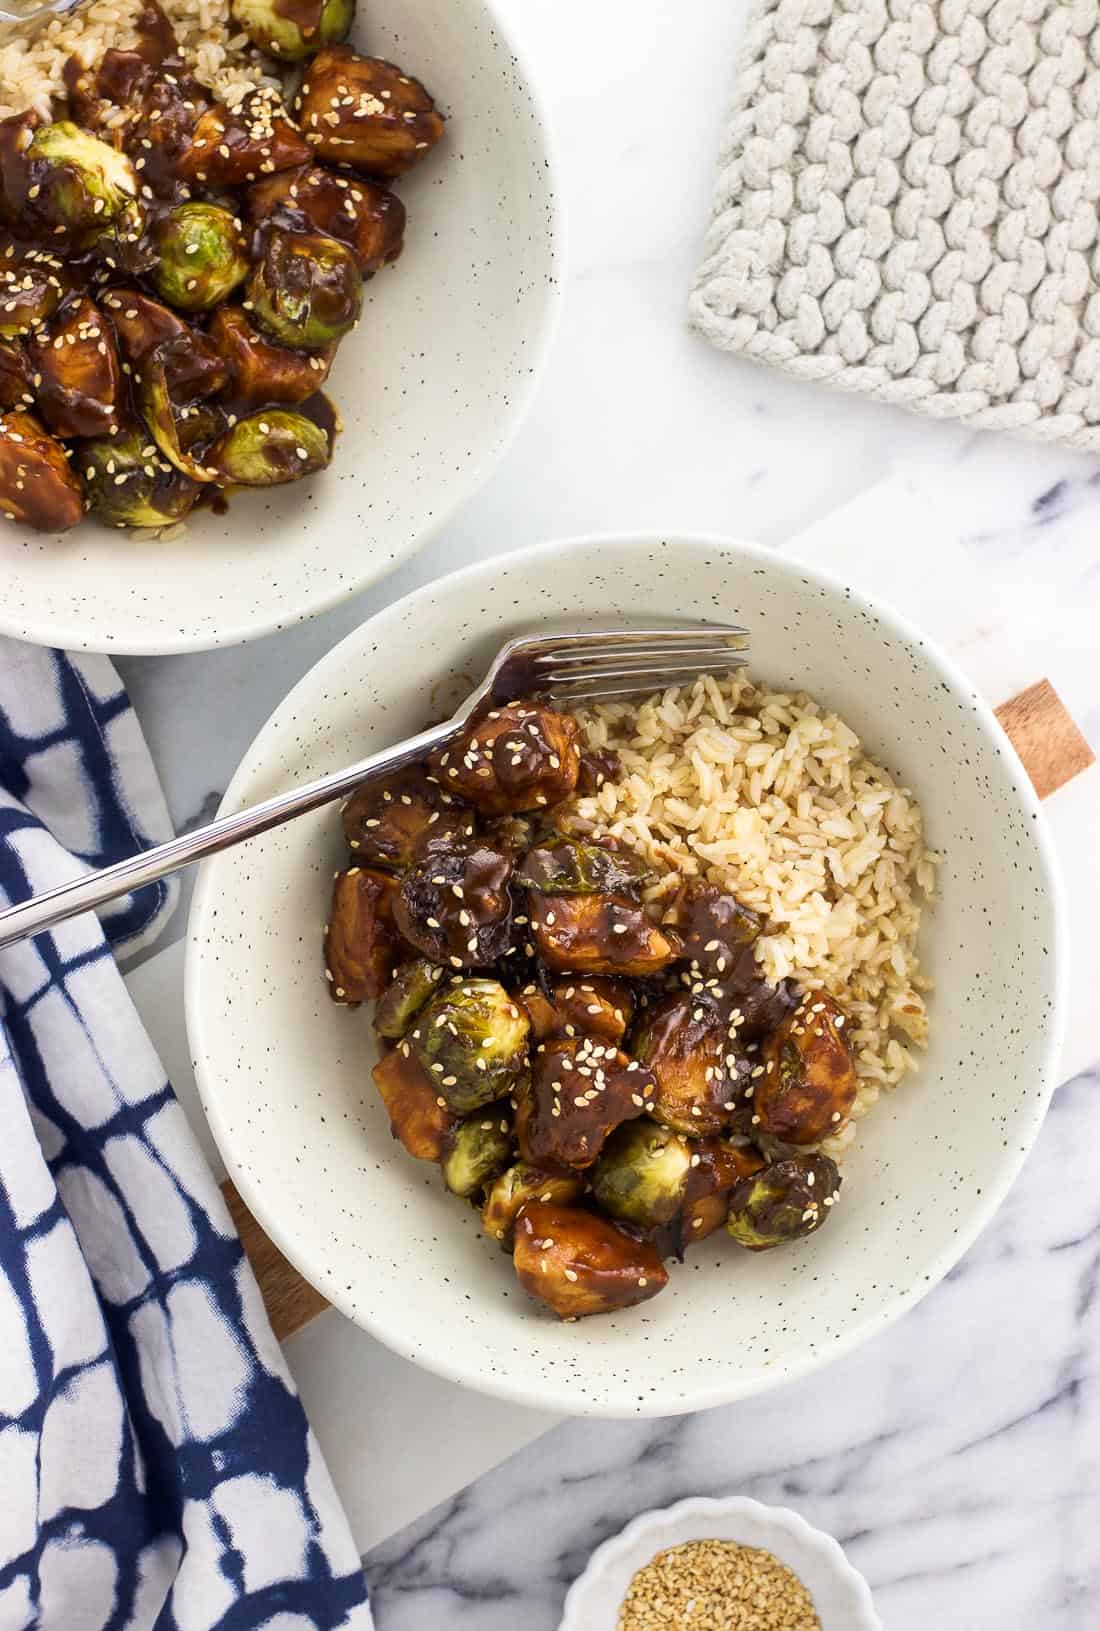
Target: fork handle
x: 95, y: 889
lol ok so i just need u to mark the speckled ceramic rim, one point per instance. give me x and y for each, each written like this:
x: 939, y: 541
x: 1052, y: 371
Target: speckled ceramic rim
x: 74, y: 638
x: 563, y: 1398
x: 695, y: 1519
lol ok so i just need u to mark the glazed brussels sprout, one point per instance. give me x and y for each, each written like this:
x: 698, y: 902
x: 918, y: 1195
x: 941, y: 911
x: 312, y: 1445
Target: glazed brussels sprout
x: 260, y: 372
x: 385, y: 820
x: 32, y: 283
x: 523, y: 757
x: 419, y: 1116
x: 360, y: 942
x: 566, y: 866
x: 78, y: 377
x: 269, y: 449
x: 293, y: 32
x: 715, y: 1167
x: 230, y: 147
x: 642, y: 1174
x: 599, y: 934
x: 578, y: 1093
x: 597, y: 1007
x: 580, y: 1264
x: 166, y: 420
x: 86, y: 189
x: 385, y: 121
x: 477, y: 1150
x: 684, y: 1039
x: 716, y: 930
x: 140, y: 323
x: 362, y: 214
x: 201, y: 254
x: 405, y: 996
x: 518, y: 1186
x: 129, y: 485
x: 37, y: 484
x: 472, y: 1037
x: 305, y: 289
x: 15, y: 376
x: 783, y: 1201
x: 809, y: 1082
x: 455, y: 905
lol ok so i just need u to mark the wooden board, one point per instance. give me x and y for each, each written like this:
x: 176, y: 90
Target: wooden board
x: 1052, y: 750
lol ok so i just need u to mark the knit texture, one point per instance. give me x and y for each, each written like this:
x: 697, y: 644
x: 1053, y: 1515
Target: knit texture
x: 907, y: 207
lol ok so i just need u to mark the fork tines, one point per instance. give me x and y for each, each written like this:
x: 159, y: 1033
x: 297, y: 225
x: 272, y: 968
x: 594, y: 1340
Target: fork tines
x: 594, y: 664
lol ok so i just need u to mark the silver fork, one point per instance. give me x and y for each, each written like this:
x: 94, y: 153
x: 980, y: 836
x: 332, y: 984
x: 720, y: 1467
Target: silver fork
x: 566, y: 670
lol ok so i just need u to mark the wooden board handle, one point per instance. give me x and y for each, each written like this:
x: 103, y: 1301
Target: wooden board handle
x: 1053, y: 751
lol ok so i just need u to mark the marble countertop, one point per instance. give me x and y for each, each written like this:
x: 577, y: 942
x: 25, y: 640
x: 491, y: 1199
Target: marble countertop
x: 958, y: 1455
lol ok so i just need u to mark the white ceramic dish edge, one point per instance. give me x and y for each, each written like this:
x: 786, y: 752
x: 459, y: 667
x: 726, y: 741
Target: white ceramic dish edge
x: 841, y: 1595
x: 980, y: 1212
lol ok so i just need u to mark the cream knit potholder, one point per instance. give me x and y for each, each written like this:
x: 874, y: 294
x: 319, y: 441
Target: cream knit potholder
x: 907, y: 207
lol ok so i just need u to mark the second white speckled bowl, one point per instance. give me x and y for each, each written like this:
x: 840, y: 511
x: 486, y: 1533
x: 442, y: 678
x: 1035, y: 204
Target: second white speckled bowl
x: 430, y: 386
x: 841, y: 1595
x: 285, y: 1075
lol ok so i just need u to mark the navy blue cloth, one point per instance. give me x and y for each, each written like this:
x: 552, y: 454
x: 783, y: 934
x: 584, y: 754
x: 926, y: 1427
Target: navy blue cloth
x: 156, y: 1467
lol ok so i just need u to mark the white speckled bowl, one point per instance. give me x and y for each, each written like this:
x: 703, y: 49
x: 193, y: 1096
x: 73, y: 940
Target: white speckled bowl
x: 430, y: 386
x: 841, y: 1596
x: 285, y: 1076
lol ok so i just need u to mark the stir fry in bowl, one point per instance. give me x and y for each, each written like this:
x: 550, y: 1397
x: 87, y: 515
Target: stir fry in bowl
x: 607, y: 1080
x: 178, y: 267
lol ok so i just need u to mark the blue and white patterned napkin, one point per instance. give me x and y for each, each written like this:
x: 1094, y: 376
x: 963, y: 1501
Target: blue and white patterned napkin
x: 156, y: 1467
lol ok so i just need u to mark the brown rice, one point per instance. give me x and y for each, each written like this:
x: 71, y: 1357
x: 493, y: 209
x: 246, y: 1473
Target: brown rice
x: 31, y: 64
x: 772, y: 796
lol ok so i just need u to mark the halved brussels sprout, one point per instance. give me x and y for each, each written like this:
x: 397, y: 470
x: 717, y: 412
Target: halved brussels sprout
x: 405, y: 996
x: 269, y: 449
x: 783, y: 1201
x: 579, y: 1092
x: 455, y: 904
x: 82, y: 186
x: 560, y: 865
x: 166, y: 420
x: 305, y: 289
x: 522, y: 757
x: 293, y: 32
x: 518, y: 1186
x: 684, y: 1039
x: 419, y: 1116
x: 600, y: 934
x: 472, y: 1036
x: 642, y: 1174
x: 809, y: 1082
x: 32, y: 283
x: 15, y: 376
x: 580, y: 1264
x: 365, y: 112
x: 37, y: 483
x: 130, y: 485
x: 78, y: 380
x: 715, y: 928
x: 386, y: 818
x: 477, y: 1150
x: 201, y: 256
x: 260, y: 372
x: 362, y: 214
x: 716, y: 1165
x: 140, y: 322
x: 360, y: 941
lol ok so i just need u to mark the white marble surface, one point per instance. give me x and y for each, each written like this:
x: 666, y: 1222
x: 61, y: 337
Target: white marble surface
x: 958, y: 1456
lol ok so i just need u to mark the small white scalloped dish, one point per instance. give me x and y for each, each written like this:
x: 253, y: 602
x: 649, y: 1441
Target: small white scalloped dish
x: 841, y: 1596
